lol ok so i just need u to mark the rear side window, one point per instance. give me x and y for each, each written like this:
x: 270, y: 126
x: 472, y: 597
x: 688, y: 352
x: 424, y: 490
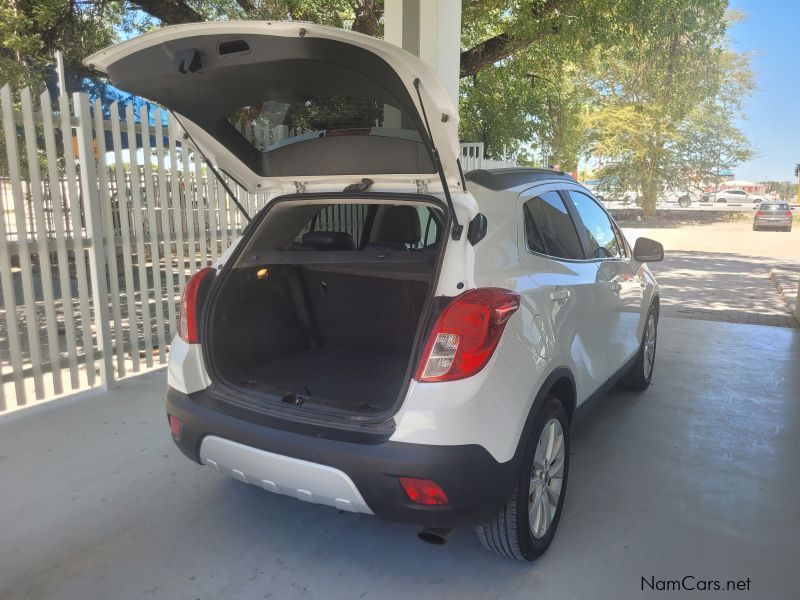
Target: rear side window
x: 429, y: 226
x: 549, y: 229
x: 603, y: 242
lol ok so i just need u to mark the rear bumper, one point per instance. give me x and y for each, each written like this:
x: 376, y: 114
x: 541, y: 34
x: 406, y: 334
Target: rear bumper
x: 772, y: 222
x: 321, y: 470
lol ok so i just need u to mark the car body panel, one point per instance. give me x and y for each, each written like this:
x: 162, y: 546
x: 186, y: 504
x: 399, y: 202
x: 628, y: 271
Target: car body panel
x: 541, y: 338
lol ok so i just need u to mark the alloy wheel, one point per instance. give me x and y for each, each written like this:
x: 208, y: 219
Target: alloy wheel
x: 649, y: 346
x: 547, y: 478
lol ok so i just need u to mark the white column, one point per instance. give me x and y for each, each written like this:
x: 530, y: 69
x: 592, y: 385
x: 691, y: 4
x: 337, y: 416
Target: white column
x: 401, y: 23
x: 440, y: 40
x: 430, y: 29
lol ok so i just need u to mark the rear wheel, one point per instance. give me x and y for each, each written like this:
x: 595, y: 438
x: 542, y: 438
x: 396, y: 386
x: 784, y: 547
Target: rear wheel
x: 684, y: 202
x: 527, y: 523
x: 641, y: 371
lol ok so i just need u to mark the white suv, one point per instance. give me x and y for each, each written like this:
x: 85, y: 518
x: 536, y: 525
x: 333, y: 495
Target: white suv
x: 388, y: 336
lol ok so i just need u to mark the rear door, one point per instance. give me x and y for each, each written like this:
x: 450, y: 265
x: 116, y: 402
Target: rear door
x: 553, y: 254
x: 277, y: 104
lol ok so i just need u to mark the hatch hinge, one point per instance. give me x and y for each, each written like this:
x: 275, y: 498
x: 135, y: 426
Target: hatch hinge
x: 300, y: 187
x: 422, y: 186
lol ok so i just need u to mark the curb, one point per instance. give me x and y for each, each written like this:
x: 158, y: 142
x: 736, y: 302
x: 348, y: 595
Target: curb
x: 788, y: 295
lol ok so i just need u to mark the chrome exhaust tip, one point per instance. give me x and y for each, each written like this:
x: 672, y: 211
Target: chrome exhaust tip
x: 434, y: 535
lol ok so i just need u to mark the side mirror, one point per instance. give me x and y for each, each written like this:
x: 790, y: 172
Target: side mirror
x: 477, y: 228
x: 647, y: 250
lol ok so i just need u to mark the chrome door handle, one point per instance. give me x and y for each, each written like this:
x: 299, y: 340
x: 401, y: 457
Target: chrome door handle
x: 560, y: 296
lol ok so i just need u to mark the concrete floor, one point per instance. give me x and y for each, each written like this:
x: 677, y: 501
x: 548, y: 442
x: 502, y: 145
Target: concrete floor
x: 698, y: 476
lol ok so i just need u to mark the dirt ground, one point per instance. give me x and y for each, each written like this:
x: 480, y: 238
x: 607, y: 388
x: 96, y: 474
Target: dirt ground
x: 721, y: 271
x: 731, y: 237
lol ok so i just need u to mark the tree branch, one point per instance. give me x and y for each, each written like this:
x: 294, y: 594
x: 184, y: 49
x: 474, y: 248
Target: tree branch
x: 486, y: 53
x: 367, y: 17
x: 246, y: 5
x: 505, y: 44
x: 169, y: 12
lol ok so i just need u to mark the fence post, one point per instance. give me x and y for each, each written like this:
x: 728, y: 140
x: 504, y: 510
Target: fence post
x: 94, y: 231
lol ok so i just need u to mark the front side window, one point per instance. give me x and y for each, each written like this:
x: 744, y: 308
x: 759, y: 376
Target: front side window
x: 603, y: 241
x: 549, y: 228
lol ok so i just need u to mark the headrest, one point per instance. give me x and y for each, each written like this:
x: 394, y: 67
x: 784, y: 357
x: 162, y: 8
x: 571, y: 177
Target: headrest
x: 329, y: 240
x: 399, y: 224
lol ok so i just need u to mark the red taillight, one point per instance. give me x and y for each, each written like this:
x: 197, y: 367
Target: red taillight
x: 466, y: 334
x: 187, y: 313
x: 175, y: 426
x: 423, y: 491
x: 788, y: 213
x: 759, y: 213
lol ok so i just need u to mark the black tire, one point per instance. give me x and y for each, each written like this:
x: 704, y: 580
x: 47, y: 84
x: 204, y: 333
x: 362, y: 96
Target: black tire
x: 755, y: 228
x: 509, y: 533
x: 637, y: 377
x: 684, y: 202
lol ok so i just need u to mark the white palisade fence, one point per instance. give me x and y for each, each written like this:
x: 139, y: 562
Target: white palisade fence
x: 102, y: 220
x: 472, y: 158
x: 104, y: 214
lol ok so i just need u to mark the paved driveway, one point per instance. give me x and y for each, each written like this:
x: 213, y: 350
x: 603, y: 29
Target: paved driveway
x: 698, y: 477
x: 721, y: 272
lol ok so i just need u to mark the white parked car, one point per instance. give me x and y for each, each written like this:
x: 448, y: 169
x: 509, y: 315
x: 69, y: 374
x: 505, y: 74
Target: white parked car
x: 387, y: 336
x: 732, y: 196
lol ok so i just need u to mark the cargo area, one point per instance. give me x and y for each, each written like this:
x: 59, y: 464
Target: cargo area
x: 326, y: 317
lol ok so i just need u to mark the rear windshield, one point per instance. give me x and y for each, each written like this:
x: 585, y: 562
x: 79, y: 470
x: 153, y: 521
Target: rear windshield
x: 774, y: 207
x: 271, y: 123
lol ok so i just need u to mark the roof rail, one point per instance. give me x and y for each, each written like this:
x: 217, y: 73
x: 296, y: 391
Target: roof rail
x: 503, y: 179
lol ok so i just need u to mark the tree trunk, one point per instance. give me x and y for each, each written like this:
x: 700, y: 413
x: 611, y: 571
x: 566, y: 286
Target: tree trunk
x: 649, y: 197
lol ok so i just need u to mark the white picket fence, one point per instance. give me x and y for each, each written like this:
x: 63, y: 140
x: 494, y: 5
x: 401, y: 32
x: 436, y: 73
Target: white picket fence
x: 102, y: 220
x: 472, y: 158
x: 95, y: 246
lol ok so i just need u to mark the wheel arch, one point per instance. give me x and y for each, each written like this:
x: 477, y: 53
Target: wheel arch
x: 559, y: 383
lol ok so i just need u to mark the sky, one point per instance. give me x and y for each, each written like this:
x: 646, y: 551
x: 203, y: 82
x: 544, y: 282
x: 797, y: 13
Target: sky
x: 771, y: 31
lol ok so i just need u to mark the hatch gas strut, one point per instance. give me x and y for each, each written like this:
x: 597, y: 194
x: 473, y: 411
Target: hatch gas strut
x: 437, y: 162
x: 213, y: 169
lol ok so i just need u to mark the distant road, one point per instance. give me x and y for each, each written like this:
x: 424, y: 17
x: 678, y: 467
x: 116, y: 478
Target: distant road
x: 707, y: 206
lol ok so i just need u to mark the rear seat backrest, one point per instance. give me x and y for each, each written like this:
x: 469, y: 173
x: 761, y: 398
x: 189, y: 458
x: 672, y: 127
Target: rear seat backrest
x: 342, y: 302
x: 398, y: 228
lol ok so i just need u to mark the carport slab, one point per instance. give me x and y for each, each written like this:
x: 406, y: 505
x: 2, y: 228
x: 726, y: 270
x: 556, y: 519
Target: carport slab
x: 698, y: 476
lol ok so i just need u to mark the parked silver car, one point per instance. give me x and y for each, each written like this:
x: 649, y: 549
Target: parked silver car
x: 773, y: 215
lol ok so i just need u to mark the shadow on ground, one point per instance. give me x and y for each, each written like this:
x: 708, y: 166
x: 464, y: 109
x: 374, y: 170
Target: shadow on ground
x: 722, y: 286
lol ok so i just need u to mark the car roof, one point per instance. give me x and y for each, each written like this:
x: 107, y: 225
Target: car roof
x: 504, y: 179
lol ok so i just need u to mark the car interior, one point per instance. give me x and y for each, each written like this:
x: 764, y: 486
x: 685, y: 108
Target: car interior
x: 326, y: 314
